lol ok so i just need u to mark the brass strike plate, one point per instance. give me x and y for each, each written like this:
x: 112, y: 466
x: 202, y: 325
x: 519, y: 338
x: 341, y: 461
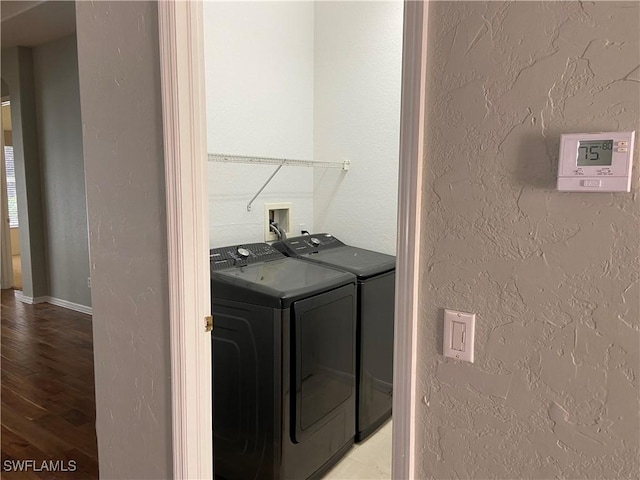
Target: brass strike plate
x: 208, y: 323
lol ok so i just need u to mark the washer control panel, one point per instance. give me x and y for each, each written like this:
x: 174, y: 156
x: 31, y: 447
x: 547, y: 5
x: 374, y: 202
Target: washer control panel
x: 308, y: 243
x: 596, y: 162
x: 241, y: 255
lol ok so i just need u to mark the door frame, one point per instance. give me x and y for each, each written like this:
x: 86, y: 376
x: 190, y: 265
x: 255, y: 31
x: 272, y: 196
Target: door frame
x: 412, y: 157
x: 183, y: 111
x: 183, y: 99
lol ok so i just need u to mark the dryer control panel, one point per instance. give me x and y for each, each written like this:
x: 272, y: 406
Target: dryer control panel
x: 308, y: 244
x: 241, y: 255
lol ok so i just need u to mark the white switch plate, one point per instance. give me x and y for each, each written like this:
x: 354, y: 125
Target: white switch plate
x: 459, y: 335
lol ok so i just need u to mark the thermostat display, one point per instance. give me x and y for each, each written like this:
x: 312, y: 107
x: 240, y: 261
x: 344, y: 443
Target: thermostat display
x: 595, y: 162
x: 594, y: 153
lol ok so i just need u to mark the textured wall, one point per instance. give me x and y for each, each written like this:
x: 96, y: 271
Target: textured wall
x: 62, y: 163
x: 259, y: 87
x: 358, y: 59
x: 552, y: 276
x: 119, y: 70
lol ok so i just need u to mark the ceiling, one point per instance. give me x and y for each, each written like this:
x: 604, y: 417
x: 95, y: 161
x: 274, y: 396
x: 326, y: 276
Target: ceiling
x: 32, y: 23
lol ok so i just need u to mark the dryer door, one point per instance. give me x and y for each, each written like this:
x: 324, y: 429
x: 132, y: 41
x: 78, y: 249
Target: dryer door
x: 323, y: 359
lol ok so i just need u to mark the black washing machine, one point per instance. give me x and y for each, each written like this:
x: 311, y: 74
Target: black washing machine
x: 283, y: 364
x: 374, y: 339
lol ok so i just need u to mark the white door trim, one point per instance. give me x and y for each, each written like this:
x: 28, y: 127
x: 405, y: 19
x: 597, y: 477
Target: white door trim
x: 182, y: 67
x: 412, y: 118
x: 185, y: 152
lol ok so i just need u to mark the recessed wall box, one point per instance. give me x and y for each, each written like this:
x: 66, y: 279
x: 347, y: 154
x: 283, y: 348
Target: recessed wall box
x: 279, y: 213
x: 595, y: 162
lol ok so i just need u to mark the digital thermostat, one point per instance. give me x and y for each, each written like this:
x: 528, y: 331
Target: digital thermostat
x: 595, y: 162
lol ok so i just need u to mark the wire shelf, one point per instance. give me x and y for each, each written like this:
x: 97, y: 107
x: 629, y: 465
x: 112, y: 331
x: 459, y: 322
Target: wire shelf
x: 280, y: 162
x: 221, y: 158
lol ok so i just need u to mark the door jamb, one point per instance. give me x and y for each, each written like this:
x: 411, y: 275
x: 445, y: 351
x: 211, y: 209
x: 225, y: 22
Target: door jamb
x: 185, y: 153
x: 412, y: 122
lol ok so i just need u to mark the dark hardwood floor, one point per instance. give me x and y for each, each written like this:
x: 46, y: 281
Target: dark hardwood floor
x: 47, y: 395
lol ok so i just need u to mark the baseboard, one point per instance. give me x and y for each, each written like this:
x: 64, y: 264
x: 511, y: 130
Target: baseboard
x: 53, y: 301
x: 70, y: 305
x: 28, y: 300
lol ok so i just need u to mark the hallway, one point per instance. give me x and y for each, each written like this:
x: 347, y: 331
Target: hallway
x: 48, y: 399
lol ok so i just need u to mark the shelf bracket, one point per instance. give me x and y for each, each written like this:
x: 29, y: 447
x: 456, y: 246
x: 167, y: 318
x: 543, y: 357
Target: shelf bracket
x: 263, y: 186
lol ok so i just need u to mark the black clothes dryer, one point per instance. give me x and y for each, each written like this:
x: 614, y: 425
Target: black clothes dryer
x: 374, y: 338
x: 283, y: 364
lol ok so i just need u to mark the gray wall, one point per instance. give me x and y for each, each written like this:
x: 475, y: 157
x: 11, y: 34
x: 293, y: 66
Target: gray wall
x: 61, y: 160
x: 17, y: 72
x: 552, y: 276
x: 120, y: 100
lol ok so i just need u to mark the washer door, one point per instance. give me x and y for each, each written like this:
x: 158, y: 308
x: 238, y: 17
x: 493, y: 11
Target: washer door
x: 323, y: 358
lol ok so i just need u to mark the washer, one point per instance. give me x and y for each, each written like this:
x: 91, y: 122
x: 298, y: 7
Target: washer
x: 374, y: 339
x: 283, y: 364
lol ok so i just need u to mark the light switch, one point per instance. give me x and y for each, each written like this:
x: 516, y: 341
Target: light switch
x: 459, y: 332
x: 457, y: 336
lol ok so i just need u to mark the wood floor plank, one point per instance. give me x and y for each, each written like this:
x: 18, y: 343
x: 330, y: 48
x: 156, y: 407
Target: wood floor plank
x: 48, y: 395
x: 17, y: 448
x: 14, y: 403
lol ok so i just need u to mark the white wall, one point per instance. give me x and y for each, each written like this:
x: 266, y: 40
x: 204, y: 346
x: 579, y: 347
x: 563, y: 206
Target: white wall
x: 309, y: 80
x: 358, y: 59
x: 259, y: 87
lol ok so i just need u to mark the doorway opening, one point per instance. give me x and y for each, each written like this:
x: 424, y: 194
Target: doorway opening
x: 12, y: 197
x: 316, y: 82
x: 182, y: 60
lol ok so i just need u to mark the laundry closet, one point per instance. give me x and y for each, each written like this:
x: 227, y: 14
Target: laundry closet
x: 303, y: 109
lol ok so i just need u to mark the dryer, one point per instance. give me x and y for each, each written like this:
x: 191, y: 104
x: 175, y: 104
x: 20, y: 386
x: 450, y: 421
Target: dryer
x: 374, y: 339
x: 283, y: 364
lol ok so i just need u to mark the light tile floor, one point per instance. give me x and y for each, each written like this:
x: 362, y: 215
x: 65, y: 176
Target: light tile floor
x: 369, y: 460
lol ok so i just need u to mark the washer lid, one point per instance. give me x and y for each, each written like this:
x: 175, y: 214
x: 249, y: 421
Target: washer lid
x: 325, y: 249
x: 276, y: 283
x: 362, y: 263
